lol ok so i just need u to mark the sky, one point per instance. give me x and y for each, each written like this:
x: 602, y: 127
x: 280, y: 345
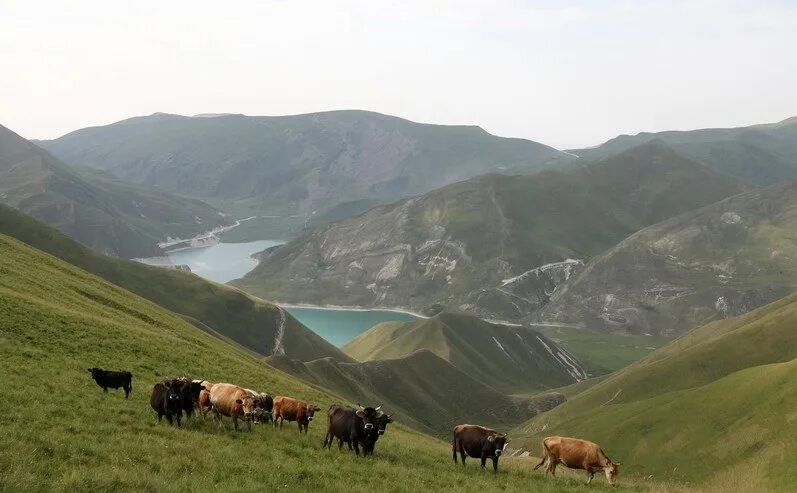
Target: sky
x: 568, y: 73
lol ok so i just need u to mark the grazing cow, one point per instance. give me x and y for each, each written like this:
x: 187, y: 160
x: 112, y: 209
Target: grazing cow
x: 113, y: 379
x: 478, y: 441
x: 231, y: 400
x: 353, y: 427
x: 165, y: 400
x: 290, y: 409
x: 577, y: 454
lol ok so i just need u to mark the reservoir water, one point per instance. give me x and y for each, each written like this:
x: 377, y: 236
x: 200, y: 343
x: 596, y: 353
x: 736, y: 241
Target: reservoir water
x: 339, y: 326
x: 222, y: 262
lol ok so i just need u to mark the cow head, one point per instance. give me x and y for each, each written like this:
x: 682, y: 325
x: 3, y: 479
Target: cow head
x: 612, y: 470
x: 196, y: 389
x: 497, y: 443
x: 247, y: 406
x: 310, y: 410
x: 369, y: 415
x: 95, y: 372
x: 382, y: 420
x: 173, y: 388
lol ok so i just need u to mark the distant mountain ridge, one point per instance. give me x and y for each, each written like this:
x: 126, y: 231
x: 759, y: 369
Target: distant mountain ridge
x: 295, y: 164
x: 495, y: 245
x: 764, y: 154
x: 94, y: 208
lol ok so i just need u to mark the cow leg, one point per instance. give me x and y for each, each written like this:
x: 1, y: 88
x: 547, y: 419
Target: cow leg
x: 105, y: 389
x: 590, y: 475
x: 160, y: 416
x: 340, y: 445
x: 484, y: 460
x: 454, y: 449
x: 495, y: 464
x: 127, y: 392
x: 169, y: 417
x: 249, y: 424
x: 357, y: 447
x: 552, y: 467
x: 177, y: 417
x: 462, y: 454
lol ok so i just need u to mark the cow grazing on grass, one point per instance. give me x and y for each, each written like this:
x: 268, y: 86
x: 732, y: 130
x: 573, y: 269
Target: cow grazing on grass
x: 290, y: 409
x: 577, y: 454
x: 354, y: 427
x: 113, y: 379
x: 165, y: 400
x: 233, y: 401
x: 478, y: 441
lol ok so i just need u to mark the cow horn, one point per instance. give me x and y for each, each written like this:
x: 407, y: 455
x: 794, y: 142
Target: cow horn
x: 360, y: 406
x: 380, y: 407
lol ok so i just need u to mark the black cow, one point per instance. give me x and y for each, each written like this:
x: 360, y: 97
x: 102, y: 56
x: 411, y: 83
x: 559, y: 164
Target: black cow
x: 353, y: 427
x: 189, y: 393
x: 381, y: 425
x: 264, y: 408
x: 113, y: 379
x: 166, y: 400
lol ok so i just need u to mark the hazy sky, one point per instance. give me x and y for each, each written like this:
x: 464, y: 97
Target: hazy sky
x: 568, y: 74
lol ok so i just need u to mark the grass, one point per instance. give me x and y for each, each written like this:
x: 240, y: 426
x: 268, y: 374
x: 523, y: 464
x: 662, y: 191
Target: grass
x: 602, y: 353
x: 60, y: 432
x: 719, y: 400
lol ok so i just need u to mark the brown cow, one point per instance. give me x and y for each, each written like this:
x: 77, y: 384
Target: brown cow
x: 203, y: 403
x: 290, y: 409
x: 577, y: 454
x: 231, y: 400
x: 478, y: 441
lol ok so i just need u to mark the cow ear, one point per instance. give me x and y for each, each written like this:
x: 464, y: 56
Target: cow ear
x: 239, y: 401
x: 491, y: 438
x: 359, y: 413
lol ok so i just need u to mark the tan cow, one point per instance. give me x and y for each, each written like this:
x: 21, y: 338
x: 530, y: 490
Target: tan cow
x: 231, y: 400
x: 290, y: 409
x: 577, y: 454
x: 203, y: 403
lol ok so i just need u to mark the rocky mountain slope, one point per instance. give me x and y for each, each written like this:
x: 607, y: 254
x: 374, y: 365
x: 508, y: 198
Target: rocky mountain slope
x: 254, y: 324
x: 494, y: 245
x: 763, y: 154
x: 99, y: 211
x: 510, y: 359
x: 723, y: 394
x: 294, y: 164
x: 716, y: 262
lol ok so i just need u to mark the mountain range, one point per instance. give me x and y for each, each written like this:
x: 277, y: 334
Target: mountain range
x: 495, y: 245
x: 294, y: 165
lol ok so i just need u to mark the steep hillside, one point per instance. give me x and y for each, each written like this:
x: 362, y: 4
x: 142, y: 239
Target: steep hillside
x: 295, y: 164
x: 508, y: 358
x: 60, y: 432
x: 722, y: 396
x: 255, y: 324
x: 763, y: 154
x: 422, y: 389
x: 99, y: 211
x: 715, y: 262
x: 494, y: 245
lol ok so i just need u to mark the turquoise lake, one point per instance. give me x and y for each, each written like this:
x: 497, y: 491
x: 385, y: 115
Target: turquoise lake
x: 222, y: 262
x: 340, y: 326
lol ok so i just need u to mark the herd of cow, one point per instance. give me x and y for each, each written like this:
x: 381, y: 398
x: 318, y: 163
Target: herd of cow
x: 356, y: 428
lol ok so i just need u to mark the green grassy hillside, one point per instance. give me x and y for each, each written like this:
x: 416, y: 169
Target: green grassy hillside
x: 99, y: 211
x: 422, y: 389
x: 296, y: 164
x: 253, y: 323
x: 59, y: 432
x: 508, y: 358
x: 719, y: 261
x: 494, y: 245
x: 763, y: 154
x: 722, y: 399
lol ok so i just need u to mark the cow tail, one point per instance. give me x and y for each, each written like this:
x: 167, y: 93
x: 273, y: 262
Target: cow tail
x: 545, y: 453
